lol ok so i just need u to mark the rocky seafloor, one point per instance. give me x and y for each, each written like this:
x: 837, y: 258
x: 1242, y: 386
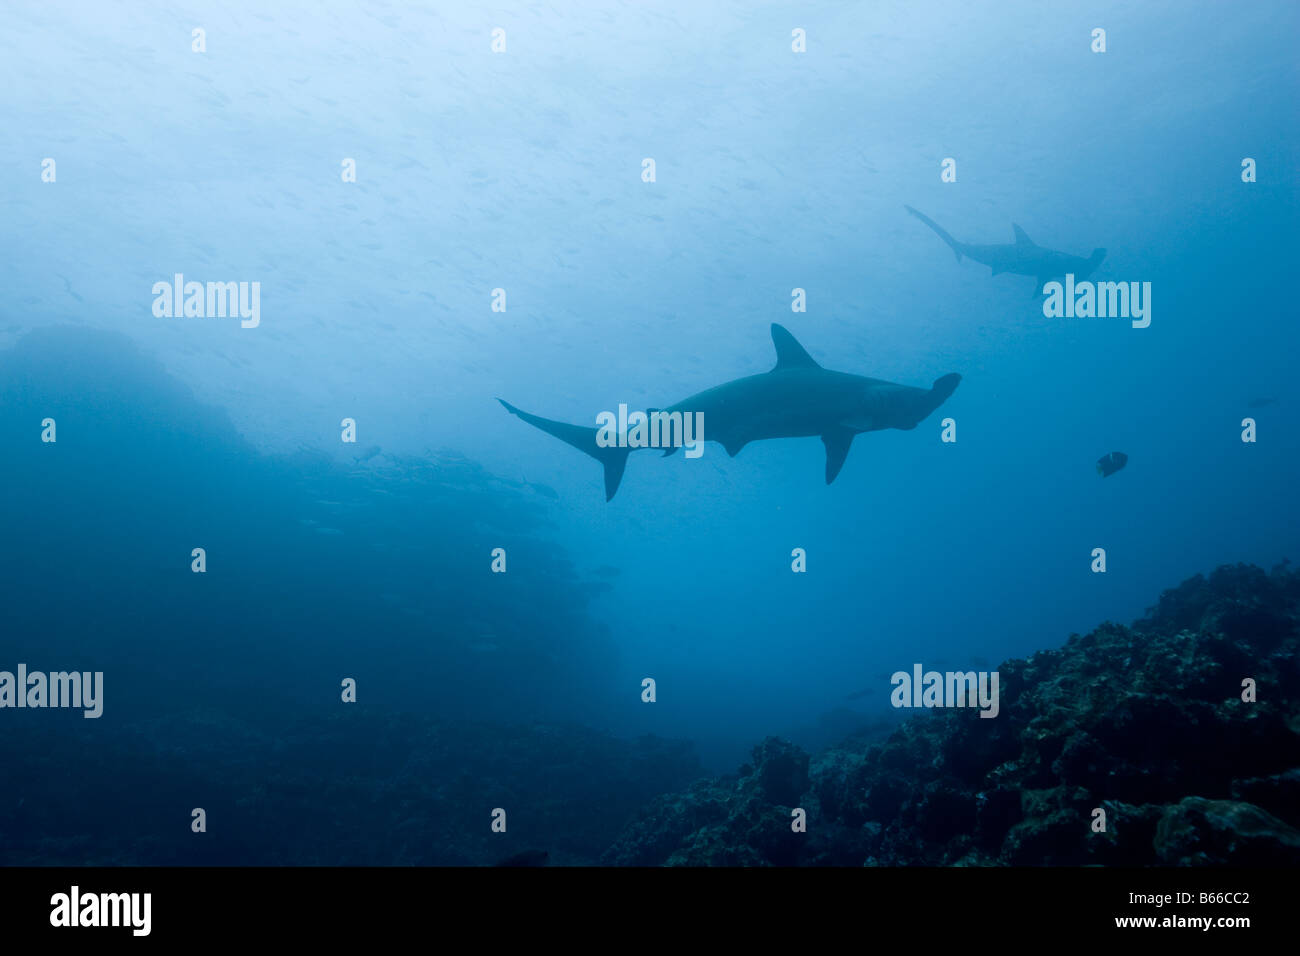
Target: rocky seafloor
x: 1147, y: 723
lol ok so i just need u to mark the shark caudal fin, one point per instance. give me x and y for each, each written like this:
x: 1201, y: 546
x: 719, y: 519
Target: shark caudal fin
x: 582, y: 438
x: 943, y: 233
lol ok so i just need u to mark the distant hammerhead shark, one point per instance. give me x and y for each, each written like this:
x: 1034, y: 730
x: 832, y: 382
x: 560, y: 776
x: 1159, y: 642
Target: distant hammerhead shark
x: 1021, y: 257
x: 796, y: 399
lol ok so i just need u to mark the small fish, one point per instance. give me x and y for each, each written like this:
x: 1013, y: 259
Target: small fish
x: 527, y: 858
x: 546, y: 491
x: 367, y: 454
x: 607, y: 571
x: 1261, y: 402
x: 1107, y: 465
x: 67, y: 286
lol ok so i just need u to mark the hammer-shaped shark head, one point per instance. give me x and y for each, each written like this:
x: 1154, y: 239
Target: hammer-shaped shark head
x: 888, y: 405
x: 943, y: 386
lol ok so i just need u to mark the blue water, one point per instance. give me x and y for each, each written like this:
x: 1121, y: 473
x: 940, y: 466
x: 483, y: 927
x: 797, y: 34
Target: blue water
x: 521, y: 170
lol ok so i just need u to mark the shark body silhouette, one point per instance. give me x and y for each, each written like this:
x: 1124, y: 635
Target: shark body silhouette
x: 796, y: 399
x: 1022, y: 257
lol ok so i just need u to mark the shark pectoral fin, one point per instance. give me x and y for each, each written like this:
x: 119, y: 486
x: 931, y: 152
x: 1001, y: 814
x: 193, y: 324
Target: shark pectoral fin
x: 1022, y: 238
x: 733, y: 447
x: 837, y: 444
x: 669, y: 449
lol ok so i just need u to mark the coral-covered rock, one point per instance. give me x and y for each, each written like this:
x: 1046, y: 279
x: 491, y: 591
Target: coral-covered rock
x: 1197, y: 831
x: 782, y: 770
x: 1279, y: 794
x: 730, y: 821
x: 1147, y: 724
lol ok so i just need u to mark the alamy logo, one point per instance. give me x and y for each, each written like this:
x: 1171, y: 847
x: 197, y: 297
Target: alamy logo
x: 947, y: 689
x: 1102, y: 300
x: 657, y: 429
x: 103, y: 909
x: 57, y: 689
x: 213, y: 300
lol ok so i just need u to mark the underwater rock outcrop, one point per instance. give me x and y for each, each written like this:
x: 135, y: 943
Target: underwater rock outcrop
x: 1147, y: 723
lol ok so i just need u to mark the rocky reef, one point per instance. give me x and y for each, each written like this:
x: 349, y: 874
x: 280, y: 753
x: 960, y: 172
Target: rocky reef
x: 1147, y: 723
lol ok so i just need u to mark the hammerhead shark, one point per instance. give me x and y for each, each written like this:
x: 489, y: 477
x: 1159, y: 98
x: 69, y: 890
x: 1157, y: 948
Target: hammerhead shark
x: 796, y: 399
x: 1022, y: 257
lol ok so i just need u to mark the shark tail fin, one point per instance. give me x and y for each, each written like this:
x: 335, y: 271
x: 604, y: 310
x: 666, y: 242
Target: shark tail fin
x: 613, y: 458
x: 942, y: 233
x: 615, y: 461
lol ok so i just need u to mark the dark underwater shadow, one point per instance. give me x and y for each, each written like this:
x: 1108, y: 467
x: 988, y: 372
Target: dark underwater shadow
x: 224, y: 687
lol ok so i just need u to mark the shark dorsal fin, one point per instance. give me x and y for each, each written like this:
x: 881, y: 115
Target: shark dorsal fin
x: 789, y: 353
x: 1022, y: 238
